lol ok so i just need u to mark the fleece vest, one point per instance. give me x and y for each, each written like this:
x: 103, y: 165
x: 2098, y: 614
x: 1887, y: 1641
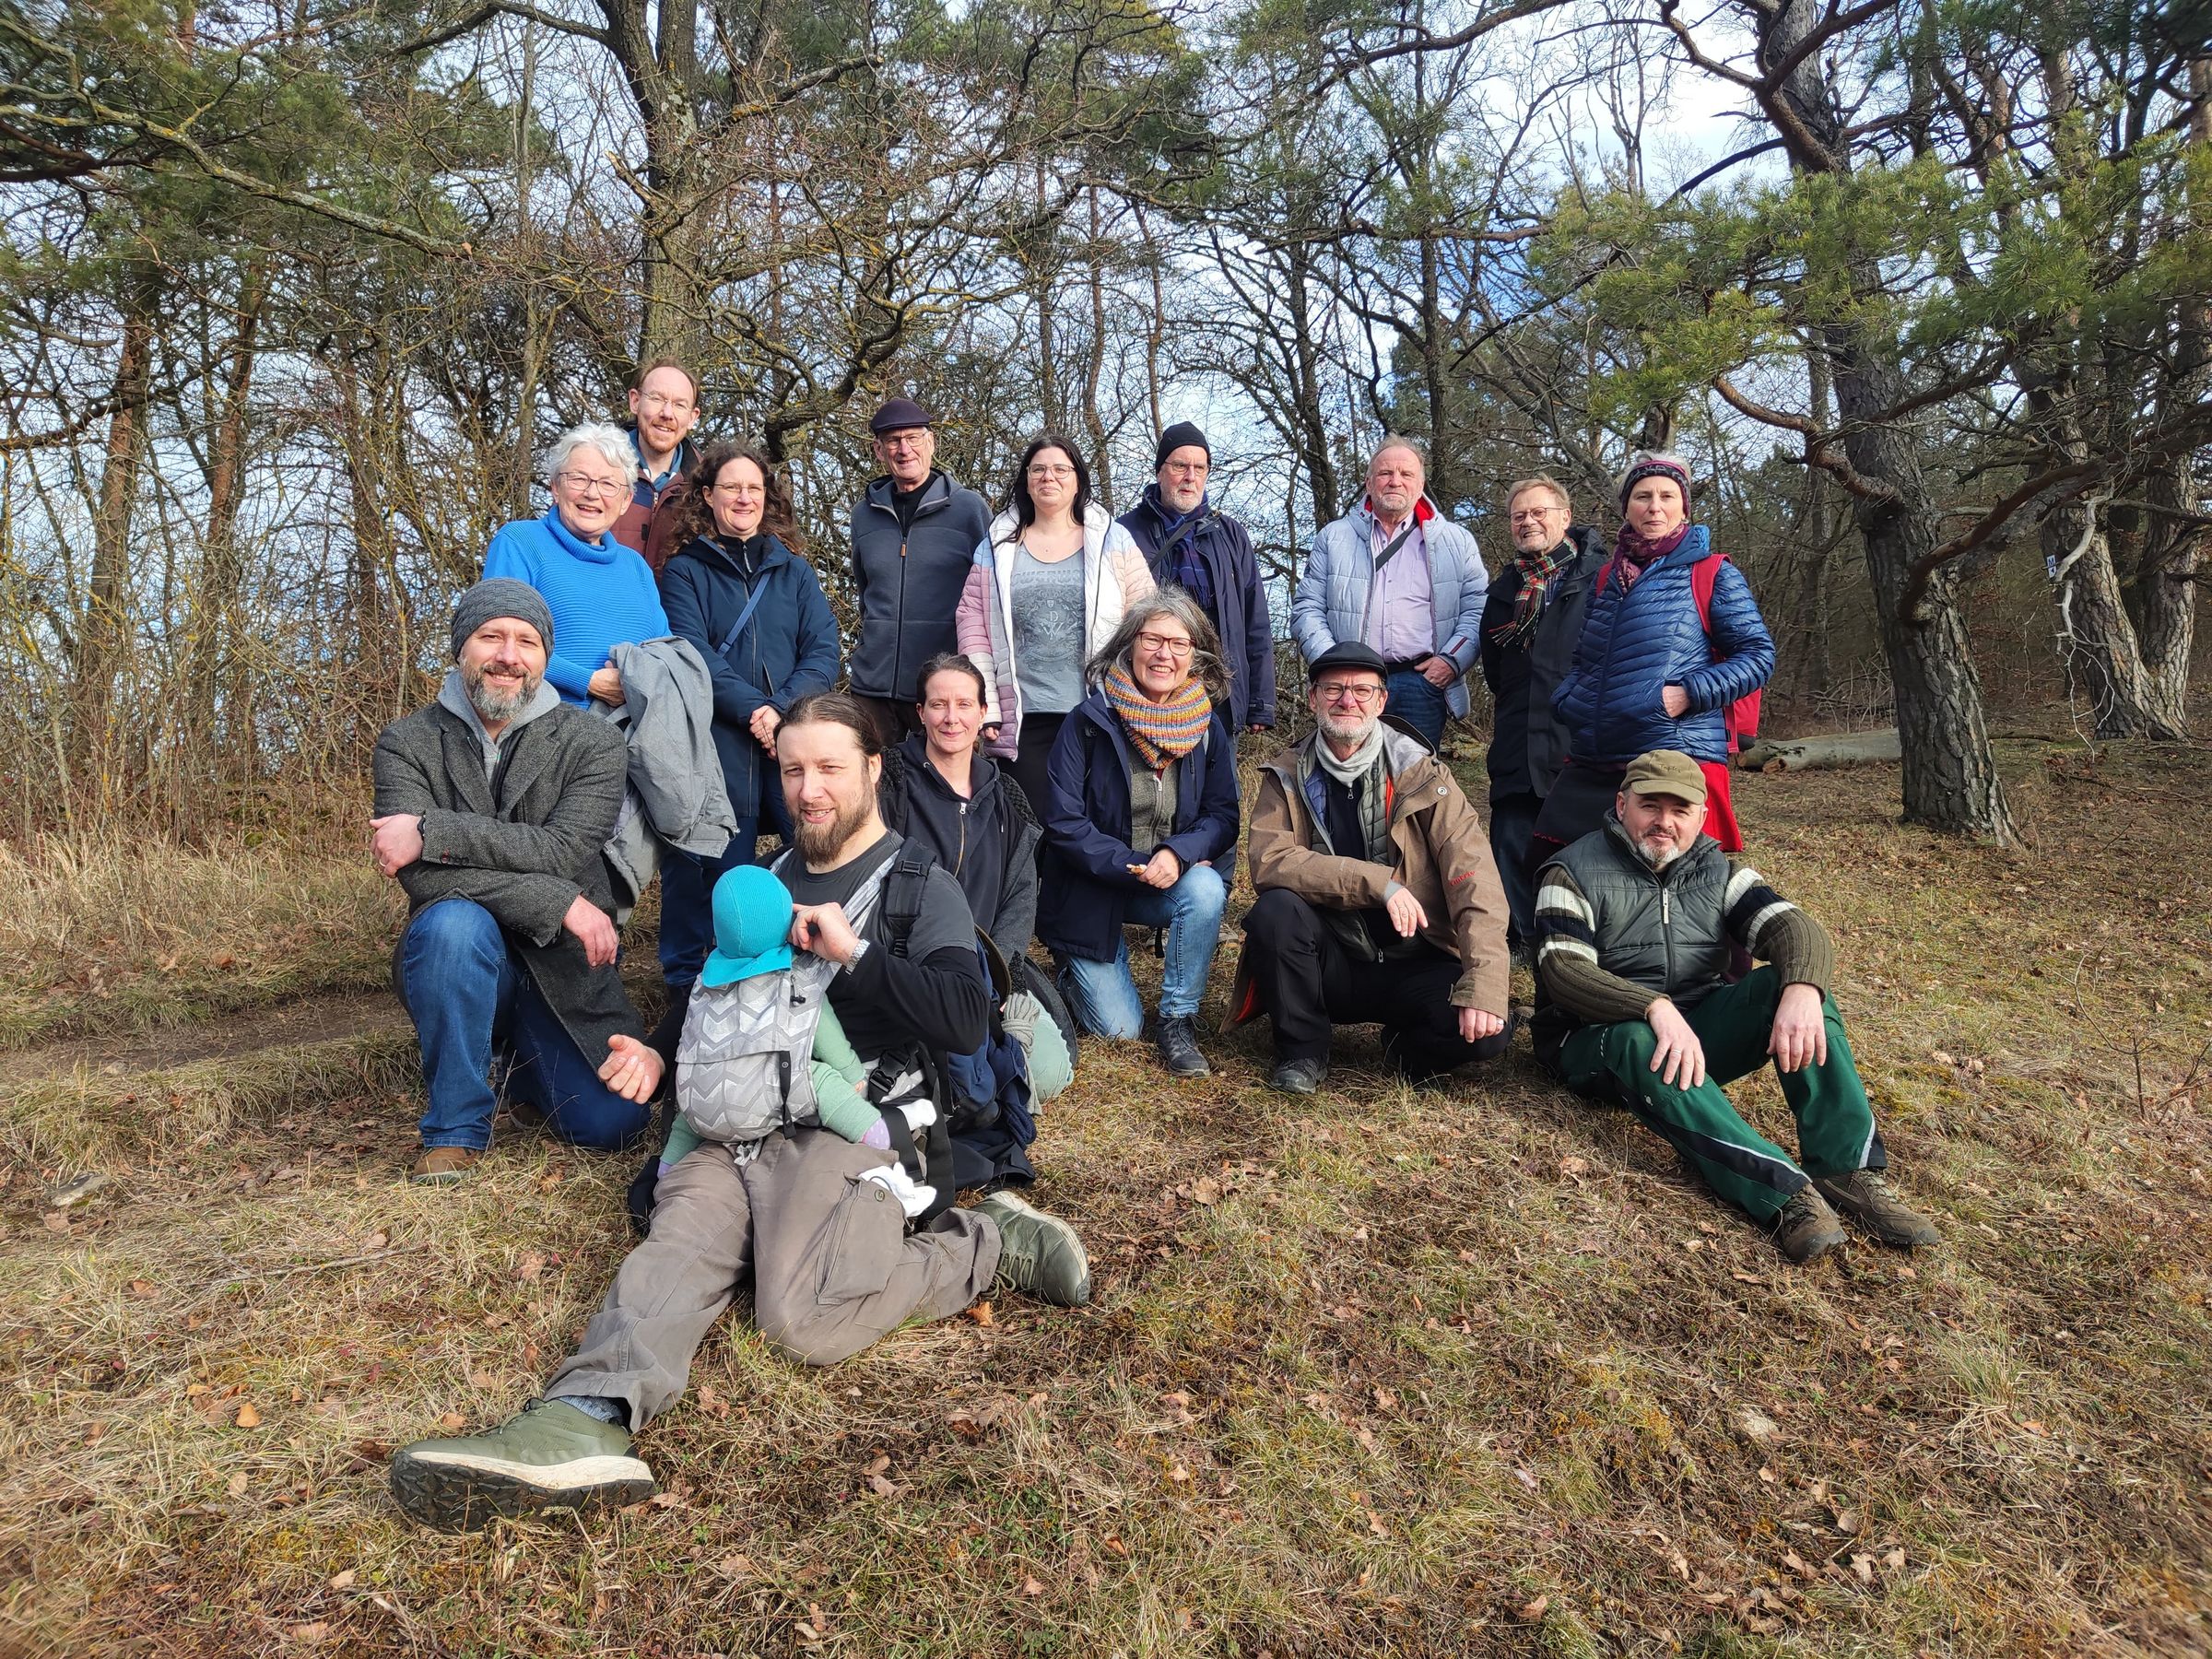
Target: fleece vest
x: 1665, y: 930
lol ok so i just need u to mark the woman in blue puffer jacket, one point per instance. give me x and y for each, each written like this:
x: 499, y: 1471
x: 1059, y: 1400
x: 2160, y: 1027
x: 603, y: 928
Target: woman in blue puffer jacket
x: 1650, y: 671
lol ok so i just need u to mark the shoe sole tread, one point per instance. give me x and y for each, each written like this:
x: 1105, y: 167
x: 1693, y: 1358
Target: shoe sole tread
x: 461, y: 1492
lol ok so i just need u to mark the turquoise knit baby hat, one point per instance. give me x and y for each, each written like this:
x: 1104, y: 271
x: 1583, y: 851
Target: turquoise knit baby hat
x: 752, y: 926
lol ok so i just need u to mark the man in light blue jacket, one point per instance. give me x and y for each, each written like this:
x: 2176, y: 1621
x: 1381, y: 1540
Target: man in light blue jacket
x: 1397, y: 575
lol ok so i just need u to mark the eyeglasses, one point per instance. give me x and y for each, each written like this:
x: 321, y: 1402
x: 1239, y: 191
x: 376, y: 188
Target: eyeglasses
x: 583, y: 484
x: 1536, y: 512
x: 1336, y: 691
x: 1186, y: 469
x: 661, y: 403
x: 1162, y: 644
x: 1052, y: 472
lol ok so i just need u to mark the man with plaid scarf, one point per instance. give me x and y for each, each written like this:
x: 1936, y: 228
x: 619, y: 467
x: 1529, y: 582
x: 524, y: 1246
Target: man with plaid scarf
x: 1378, y: 900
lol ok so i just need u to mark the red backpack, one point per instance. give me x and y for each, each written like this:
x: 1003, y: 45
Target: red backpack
x: 1741, y: 717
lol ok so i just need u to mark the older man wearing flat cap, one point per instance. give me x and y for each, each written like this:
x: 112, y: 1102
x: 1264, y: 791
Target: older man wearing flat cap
x: 914, y: 537
x: 492, y: 806
x: 1377, y: 898
x: 1634, y: 923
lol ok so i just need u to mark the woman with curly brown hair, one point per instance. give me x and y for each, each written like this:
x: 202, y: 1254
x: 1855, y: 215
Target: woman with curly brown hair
x: 755, y: 609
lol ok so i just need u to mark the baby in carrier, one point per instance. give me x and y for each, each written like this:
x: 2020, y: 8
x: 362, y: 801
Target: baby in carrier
x: 761, y: 1049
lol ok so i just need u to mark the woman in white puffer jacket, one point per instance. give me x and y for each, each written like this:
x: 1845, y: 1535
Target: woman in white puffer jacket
x: 1050, y: 585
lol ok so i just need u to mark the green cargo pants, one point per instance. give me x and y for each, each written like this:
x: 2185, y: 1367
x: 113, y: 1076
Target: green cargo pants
x: 1835, y: 1124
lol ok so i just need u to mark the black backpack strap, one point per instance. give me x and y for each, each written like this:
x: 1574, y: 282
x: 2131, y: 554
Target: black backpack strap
x: 903, y: 887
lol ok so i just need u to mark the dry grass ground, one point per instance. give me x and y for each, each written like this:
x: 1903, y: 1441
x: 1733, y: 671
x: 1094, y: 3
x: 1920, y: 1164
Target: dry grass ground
x: 111, y: 935
x: 1375, y: 1374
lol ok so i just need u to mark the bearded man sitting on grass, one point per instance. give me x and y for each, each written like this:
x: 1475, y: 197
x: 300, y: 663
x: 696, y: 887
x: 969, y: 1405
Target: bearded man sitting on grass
x: 492, y: 806
x: 1633, y: 928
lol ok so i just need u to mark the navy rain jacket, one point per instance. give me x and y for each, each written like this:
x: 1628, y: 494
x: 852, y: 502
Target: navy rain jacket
x: 788, y: 647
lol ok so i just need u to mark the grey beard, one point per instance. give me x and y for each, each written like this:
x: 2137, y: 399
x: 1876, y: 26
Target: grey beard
x: 1658, y: 859
x: 1352, y: 731
x: 494, y: 707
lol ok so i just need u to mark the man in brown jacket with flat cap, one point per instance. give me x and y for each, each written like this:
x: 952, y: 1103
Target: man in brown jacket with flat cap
x: 1378, y: 899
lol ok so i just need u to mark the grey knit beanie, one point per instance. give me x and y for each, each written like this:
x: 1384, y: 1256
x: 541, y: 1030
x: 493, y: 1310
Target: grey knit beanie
x: 501, y: 596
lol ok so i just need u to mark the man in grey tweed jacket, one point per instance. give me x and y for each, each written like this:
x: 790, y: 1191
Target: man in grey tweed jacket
x: 492, y: 806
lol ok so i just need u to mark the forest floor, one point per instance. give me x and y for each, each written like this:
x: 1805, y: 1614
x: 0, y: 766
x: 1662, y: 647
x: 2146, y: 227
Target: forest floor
x: 1373, y: 1373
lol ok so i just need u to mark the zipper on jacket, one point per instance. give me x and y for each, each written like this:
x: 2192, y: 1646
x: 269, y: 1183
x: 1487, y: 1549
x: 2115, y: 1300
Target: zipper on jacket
x: 961, y: 859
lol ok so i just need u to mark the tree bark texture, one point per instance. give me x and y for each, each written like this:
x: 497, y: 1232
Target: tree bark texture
x: 1949, y: 772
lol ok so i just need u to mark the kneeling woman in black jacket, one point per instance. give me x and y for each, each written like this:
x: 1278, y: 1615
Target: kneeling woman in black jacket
x: 940, y: 789
x: 1140, y: 824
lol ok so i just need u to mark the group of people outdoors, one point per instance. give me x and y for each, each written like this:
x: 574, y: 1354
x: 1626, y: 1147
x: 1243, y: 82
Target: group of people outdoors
x: 1034, y: 751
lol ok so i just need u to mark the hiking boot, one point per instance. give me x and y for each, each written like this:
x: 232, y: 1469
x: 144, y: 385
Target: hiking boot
x: 1806, y: 1227
x: 548, y: 1456
x: 1300, y: 1077
x: 1866, y: 1196
x: 442, y: 1166
x: 1037, y: 1252
x: 1179, y: 1049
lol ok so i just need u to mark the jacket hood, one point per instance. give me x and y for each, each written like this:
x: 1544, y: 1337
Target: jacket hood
x: 984, y: 774
x: 1097, y: 524
x: 452, y: 697
x: 1425, y: 512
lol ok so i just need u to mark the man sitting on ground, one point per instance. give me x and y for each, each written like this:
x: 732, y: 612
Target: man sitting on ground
x: 833, y: 1264
x: 1633, y: 927
x: 492, y: 806
x: 1378, y: 899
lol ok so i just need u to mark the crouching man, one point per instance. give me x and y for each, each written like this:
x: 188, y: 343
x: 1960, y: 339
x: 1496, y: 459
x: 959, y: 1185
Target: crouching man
x: 1633, y: 927
x: 832, y: 1263
x: 493, y: 805
x: 1378, y: 899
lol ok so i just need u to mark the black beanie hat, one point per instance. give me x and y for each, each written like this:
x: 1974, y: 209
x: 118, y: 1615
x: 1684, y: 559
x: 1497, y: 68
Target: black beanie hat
x: 1183, y: 434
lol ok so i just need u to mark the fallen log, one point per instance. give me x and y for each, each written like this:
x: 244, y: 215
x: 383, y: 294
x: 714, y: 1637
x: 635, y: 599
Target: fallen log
x: 1804, y: 754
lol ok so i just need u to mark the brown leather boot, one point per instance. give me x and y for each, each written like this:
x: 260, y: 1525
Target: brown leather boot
x: 1806, y: 1228
x: 1866, y: 1196
x: 442, y: 1166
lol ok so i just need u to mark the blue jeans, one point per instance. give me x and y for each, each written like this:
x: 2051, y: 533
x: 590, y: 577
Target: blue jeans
x: 468, y: 994
x: 1101, y: 995
x: 1420, y: 704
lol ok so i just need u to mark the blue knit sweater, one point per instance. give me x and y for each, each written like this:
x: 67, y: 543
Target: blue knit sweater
x: 602, y: 595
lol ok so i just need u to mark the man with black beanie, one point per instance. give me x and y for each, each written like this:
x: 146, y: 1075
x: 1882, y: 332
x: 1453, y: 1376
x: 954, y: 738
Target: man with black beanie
x: 1191, y: 545
x: 492, y: 805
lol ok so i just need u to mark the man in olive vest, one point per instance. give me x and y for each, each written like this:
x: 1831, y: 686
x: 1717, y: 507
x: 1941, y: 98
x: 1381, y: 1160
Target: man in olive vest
x: 1633, y: 928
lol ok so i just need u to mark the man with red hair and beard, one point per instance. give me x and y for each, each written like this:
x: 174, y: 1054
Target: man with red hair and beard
x: 832, y: 1263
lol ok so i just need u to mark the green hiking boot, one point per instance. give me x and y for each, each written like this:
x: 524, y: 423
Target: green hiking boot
x: 550, y: 1455
x: 1866, y: 1196
x: 1806, y: 1228
x: 1039, y: 1253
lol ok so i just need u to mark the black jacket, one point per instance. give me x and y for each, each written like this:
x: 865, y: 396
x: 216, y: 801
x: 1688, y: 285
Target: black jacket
x: 988, y: 840
x: 1528, y: 742
x: 1239, y: 611
x: 909, y: 581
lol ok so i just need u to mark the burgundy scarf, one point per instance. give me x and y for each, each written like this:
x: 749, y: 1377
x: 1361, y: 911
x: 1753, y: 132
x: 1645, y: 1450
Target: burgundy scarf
x: 1632, y: 553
